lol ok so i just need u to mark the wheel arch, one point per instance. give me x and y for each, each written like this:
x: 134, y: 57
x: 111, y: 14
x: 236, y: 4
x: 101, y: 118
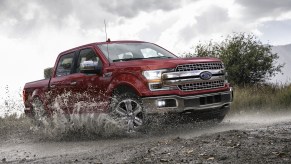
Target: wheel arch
x: 37, y: 93
x: 127, y: 82
x: 124, y: 88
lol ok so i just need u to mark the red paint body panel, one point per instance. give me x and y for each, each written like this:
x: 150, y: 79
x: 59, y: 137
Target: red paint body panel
x: 128, y: 73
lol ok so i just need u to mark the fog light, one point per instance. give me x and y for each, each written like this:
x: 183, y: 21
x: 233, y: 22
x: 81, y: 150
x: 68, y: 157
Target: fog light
x: 155, y: 86
x: 161, y: 103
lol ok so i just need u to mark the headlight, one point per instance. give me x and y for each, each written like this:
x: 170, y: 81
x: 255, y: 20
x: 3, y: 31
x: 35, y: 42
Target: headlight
x: 154, y: 75
x: 154, y: 78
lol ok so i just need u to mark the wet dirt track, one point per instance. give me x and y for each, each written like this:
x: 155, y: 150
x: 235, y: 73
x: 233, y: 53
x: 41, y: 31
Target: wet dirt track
x: 239, y: 139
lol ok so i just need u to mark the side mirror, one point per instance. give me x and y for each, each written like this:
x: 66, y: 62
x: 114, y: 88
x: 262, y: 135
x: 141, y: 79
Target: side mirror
x: 90, y: 67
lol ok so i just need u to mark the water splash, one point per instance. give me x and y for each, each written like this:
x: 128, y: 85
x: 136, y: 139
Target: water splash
x: 10, y: 101
x: 85, y: 121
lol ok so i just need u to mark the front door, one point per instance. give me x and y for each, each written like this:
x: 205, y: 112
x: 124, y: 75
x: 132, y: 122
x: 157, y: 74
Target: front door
x: 88, y: 88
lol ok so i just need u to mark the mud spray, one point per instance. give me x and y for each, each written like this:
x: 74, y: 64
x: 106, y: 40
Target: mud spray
x: 78, y: 124
x: 95, y: 125
x: 10, y: 101
x: 259, y: 116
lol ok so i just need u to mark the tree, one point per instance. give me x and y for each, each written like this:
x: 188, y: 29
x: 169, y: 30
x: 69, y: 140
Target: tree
x: 246, y: 59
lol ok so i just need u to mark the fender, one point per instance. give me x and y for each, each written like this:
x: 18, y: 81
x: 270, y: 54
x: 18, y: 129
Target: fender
x: 128, y: 79
x: 40, y: 94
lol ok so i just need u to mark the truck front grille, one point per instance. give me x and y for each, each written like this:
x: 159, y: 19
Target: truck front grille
x: 199, y: 66
x: 202, y: 85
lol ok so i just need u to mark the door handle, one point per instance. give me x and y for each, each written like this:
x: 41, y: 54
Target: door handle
x: 73, y: 83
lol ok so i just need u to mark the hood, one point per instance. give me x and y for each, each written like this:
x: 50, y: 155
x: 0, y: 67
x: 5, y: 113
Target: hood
x: 163, y: 63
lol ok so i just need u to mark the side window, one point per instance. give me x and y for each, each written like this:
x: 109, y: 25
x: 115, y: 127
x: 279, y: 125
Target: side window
x: 88, y: 55
x: 65, y: 65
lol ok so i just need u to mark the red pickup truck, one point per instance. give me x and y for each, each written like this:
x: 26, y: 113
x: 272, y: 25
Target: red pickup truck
x: 132, y: 80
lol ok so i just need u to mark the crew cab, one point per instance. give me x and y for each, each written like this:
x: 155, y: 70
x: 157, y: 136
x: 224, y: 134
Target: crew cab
x: 132, y: 80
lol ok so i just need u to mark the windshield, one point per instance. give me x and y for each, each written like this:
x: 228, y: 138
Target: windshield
x: 133, y: 51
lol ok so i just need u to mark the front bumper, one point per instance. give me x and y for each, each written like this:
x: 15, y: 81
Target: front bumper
x: 178, y: 104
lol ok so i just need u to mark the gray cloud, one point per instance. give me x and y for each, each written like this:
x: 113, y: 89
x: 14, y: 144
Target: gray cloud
x: 89, y: 14
x: 262, y: 8
x: 210, y: 21
x: 274, y: 30
x: 23, y: 17
x: 130, y: 8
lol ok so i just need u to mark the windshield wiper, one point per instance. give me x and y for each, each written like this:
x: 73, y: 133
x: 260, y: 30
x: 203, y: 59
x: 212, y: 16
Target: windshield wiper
x: 127, y: 59
x: 162, y: 57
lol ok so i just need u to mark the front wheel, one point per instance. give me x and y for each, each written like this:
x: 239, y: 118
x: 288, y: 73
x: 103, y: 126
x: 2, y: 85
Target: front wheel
x: 127, y: 110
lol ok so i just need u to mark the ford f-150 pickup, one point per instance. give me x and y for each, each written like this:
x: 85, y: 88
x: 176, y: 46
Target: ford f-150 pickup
x: 132, y: 80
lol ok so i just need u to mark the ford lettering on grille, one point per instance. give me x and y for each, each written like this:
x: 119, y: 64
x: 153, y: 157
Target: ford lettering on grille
x: 205, y: 75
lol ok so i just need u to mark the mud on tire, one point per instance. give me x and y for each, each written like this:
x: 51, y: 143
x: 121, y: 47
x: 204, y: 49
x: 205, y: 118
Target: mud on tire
x: 39, y: 115
x: 126, y: 108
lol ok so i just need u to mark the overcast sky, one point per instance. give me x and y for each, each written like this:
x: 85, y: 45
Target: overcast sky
x: 34, y: 32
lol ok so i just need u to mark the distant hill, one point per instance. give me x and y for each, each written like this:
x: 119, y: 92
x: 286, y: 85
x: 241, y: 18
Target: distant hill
x: 284, y: 53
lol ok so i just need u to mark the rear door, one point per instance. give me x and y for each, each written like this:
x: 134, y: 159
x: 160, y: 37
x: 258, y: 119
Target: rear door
x: 61, y: 84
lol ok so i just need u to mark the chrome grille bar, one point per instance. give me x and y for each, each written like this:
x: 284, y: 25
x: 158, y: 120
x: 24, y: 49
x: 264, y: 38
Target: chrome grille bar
x: 202, y: 85
x: 199, y: 66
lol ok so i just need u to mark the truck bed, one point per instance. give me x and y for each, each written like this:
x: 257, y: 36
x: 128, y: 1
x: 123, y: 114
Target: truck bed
x: 37, y: 84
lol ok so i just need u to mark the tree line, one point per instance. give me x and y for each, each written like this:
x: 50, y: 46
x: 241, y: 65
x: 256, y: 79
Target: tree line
x: 246, y: 59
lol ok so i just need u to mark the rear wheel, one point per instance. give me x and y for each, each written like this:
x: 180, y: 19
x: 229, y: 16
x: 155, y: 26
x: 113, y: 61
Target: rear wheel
x: 127, y: 110
x: 38, y: 112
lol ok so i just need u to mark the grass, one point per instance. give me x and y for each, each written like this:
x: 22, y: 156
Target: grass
x: 262, y: 97
x: 12, y: 125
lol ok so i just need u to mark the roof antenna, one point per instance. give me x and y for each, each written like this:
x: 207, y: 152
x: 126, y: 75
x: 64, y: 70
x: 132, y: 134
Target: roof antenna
x: 107, y: 41
x: 105, y: 30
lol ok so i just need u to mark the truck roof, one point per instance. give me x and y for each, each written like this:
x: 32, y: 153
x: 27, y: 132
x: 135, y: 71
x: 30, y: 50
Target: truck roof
x: 107, y: 42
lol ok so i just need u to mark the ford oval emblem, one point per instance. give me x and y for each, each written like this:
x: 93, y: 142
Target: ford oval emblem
x: 205, y: 75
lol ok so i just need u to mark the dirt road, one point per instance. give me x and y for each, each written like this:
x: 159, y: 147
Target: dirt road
x: 248, y: 138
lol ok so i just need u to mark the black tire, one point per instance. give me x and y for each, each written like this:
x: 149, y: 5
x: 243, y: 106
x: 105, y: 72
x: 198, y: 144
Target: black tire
x: 127, y: 110
x: 38, y: 112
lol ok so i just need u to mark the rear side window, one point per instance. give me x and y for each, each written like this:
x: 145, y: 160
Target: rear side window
x: 65, y: 65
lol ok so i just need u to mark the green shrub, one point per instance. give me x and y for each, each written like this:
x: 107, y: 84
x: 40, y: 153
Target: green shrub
x: 247, y: 60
